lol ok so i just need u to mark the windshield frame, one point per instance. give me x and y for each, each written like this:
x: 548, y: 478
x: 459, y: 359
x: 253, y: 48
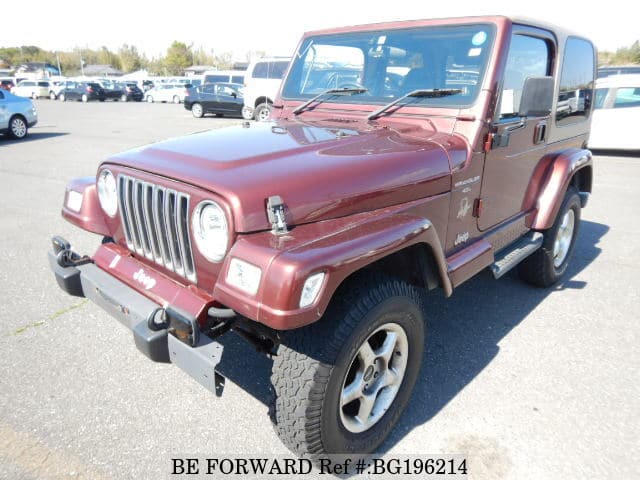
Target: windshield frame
x: 290, y: 93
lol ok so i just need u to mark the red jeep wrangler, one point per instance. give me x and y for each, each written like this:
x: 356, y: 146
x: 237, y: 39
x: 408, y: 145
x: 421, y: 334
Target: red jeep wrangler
x: 400, y: 158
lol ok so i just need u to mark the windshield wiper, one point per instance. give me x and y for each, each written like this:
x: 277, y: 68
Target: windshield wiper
x: 431, y: 93
x: 332, y: 91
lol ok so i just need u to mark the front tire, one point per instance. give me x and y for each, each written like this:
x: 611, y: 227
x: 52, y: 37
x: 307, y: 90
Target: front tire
x: 342, y: 383
x: 124, y: 98
x: 52, y: 96
x: 262, y: 112
x: 197, y: 110
x: 176, y: 99
x: 548, y: 264
x: 62, y: 97
x: 18, y: 127
x: 149, y: 99
x: 85, y: 98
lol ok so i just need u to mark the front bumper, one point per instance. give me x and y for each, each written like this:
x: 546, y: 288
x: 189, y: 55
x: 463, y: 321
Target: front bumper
x: 137, y: 312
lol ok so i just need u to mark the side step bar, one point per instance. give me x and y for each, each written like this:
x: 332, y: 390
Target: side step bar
x: 509, y: 257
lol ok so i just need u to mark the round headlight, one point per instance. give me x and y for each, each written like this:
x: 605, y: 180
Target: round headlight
x: 210, y: 230
x: 108, y: 192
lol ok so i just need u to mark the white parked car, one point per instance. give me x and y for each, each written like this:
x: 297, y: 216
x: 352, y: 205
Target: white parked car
x: 616, y: 114
x: 166, y: 93
x: 32, y: 88
x: 17, y: 115
x: 261, y: 84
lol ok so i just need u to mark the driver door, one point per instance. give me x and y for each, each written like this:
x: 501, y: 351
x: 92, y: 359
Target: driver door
x: 518, y: 143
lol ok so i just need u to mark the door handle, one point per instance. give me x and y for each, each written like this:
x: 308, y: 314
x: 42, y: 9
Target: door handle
x: 539, y: 133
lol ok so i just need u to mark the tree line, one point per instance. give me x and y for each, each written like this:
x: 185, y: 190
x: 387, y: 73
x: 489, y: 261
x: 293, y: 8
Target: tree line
x: 127, y: 58
x: 622, y: 56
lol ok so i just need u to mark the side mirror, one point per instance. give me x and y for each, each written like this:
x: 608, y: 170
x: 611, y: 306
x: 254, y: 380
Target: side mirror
x: 537, y: 97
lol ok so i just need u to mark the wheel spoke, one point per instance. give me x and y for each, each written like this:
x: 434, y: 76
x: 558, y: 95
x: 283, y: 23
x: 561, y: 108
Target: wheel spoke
x: 390, y: 378
x: 366, y: 407
x: 353, y: 391
x: 366, y: 354
x: 388, y: 347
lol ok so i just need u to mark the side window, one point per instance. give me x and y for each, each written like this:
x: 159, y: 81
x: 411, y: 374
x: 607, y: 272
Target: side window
x: 278, y: 69
x: 600, y: 97
x: 528, y: 57
x: 575, y: 97
x: 261, y: 70
x: 237, y: 79
x: 1, y: 95
x: 209, y: 89
x: 627, y: 97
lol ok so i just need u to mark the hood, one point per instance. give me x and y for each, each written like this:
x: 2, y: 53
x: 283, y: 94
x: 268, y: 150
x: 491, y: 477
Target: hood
x: 321, y: 171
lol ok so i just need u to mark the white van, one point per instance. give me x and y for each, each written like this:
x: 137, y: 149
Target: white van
x: 32, y: 88
x: 262, y: 82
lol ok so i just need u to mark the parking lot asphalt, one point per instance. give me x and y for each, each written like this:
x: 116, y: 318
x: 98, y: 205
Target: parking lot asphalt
x: 527, y: 383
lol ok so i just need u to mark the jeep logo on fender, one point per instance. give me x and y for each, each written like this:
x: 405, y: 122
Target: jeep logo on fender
x: 144, y: 279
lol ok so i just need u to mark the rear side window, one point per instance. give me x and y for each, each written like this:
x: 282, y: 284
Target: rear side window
x: 528, y: 57
x: 43, y: 84
x: 273, y: 70
x: 237, y: 79
x: 1, y: 95
x: 627, y: 97
x: 575, y: 97
x: 600, y: 97
x: 216, y: 78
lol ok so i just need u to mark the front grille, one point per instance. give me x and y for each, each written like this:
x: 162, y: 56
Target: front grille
x: 155, y: 221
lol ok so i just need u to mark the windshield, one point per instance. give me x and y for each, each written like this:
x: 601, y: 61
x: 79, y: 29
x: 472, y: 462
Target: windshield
x: 392, y: 63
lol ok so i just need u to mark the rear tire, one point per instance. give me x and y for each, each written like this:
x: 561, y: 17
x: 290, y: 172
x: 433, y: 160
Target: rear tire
x: 176, y: 99
x: 149, y: 99
x: 548, y: 264
x: 84, y: 98
x: 62, y: 97
x: 52, y: 96
x: 328, y: 397
x: 124, y: 98
x: 247, y: 113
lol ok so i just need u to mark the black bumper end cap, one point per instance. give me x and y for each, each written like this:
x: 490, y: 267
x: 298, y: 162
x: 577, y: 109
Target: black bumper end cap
x: 68, y: 278
x: 152, y: 343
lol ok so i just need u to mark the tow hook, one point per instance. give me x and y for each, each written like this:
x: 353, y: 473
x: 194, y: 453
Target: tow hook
x: 65, y: 257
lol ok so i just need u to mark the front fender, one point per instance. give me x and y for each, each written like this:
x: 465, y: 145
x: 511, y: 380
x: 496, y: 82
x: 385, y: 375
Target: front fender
x: 338, y: 247
x: 550, y: 182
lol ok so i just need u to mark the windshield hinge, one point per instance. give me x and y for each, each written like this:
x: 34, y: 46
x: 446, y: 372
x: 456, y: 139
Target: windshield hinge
x: 276, y: 215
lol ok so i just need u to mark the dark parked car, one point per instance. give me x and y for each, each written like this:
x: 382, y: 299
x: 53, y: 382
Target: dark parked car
x: 218, y: 98
x: 127, y: 92
x: 83, y: 91
x: 6, y: 84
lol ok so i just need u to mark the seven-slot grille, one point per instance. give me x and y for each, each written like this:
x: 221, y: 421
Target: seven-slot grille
x: 155, y: 221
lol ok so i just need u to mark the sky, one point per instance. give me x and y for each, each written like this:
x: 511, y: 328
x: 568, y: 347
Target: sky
x: 275, y: 27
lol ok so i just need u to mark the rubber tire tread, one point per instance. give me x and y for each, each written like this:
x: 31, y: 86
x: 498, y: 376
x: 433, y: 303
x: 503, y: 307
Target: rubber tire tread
x: 305, y: 361
x: 538, y: 269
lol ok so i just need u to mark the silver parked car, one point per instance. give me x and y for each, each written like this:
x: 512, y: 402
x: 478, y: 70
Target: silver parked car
x: 17, y: 115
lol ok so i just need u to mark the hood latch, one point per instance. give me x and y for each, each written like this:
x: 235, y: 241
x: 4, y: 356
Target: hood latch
x: 276, y: 215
